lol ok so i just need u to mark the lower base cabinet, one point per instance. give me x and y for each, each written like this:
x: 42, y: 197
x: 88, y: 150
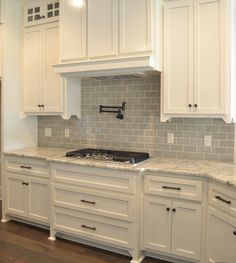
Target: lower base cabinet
x: 172, y: 227
x: 28, y: 197
x: 221, y: 237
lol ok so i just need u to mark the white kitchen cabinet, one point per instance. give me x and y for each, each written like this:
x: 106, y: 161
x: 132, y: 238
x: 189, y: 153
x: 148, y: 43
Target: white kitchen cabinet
x: 135, y: 26
x: 221, y: 237
x: 42, y: 89
x: 109, y: 37
x: 197, y: 59
x: 27, y: 197
x: 96, y: 205
x: 41, y: 11
x: 26, y: 189
x: 102, y: 28
x: 172, y: 227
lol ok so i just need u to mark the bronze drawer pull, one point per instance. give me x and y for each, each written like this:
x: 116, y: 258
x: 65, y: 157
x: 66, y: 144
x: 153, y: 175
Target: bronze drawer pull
x: 26, y: 167
x: 172, y: 188
x: 88, y: 227
x: 234, y: 233
x: 223, y: 200
x: 25, y: 183
x: 88, y: 202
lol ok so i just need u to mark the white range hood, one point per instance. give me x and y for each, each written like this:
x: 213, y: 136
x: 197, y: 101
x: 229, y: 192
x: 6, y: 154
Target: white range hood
x: 107, y: 67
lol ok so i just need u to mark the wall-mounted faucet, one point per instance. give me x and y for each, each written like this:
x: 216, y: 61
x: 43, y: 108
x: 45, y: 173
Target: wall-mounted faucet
x: 119, y: 110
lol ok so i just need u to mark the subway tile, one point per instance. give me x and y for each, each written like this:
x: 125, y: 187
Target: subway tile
x: 141, y: 128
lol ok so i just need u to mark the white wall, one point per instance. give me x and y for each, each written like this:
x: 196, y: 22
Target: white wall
x: 16, y: 132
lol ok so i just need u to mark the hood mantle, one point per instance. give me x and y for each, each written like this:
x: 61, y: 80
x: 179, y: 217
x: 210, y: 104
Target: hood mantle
x: 106, y: 67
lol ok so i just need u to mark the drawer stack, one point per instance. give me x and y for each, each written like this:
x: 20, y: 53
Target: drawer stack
x: 94, y: 204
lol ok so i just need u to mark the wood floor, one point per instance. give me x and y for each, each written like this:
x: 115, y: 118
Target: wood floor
x: 20, y: 243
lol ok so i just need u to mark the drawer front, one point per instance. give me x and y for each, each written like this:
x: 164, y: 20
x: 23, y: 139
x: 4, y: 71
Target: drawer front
x: 106, y: 204
x: 78, y: 224
x: 112, y: 180
x: 222, y: 197
x: 26, y: 166
x: 173, y: 187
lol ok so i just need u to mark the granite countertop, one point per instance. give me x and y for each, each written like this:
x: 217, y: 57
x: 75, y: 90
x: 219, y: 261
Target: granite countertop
x: 219, y: 171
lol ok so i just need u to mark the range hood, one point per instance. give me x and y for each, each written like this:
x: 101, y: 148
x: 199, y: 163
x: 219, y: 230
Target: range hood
x: 107, y: 67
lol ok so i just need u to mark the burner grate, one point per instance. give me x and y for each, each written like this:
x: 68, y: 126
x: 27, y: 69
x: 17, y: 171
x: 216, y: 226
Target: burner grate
x: 110, y: 155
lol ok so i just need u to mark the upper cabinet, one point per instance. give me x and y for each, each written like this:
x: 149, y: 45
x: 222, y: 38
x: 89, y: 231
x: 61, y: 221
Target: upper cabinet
x: 108, y: 36
x: 38, y: 12
x: 198, y: 42
x: 43, y: 91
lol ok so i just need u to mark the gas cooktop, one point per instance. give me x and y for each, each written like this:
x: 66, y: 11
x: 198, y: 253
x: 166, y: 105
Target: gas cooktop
x: 109, y: 155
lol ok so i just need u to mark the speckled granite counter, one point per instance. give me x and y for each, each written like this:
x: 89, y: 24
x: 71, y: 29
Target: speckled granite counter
x: 219, y: 171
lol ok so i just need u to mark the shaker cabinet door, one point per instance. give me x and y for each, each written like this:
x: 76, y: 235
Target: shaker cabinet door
x: 135, y: 26
x: 210, y: 65
x: 52, y: 87
x: 102, y: 28
x: 221, y: 237
x: 178, y: 57
x: 73, y: 31
x: 32, y: 72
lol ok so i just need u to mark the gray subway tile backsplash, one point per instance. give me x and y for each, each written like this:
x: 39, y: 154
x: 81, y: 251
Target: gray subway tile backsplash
x: 141, y: 129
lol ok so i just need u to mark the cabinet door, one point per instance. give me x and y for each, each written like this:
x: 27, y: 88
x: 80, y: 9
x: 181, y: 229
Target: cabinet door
x: 52, y: 86
x: 15, y: 195
x: 33, y: 12
x: 221, y: 237
x: 209, y: 92
x: 135, y: 25
x: 157, y: 224
x: 102, y: 28
x: 51, y: 10
x: 73, y: 31
x: 38, y: 200
x: 32, y: 72
x: 178, y: 56
x: 186, y: 229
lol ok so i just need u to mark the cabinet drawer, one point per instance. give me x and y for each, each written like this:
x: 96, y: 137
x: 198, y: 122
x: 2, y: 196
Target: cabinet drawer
x: 97, y: 228
x: 173, y: 187
x: 221, y: 196
x: 26, y: 166
x: 112, y: 180
x: 106, y: 204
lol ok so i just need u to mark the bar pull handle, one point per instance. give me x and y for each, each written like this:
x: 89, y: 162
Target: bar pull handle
x: 172, y: 188
x: 88, y: 227
x: 222, y: 199
x: 88, y: 202
x: 26, y: 167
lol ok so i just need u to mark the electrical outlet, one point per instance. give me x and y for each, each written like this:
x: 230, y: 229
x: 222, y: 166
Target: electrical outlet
x: 207, y: 140
x: 170, y: 138
x: 48, y: 132
x: 67, y: 132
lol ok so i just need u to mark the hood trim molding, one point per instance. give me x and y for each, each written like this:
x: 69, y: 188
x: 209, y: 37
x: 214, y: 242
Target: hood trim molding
x: 106, y: 67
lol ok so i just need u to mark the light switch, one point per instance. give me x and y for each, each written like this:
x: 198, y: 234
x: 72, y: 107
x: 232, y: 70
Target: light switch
x: 170, y: 138
x: 48, y: 132
x: 207, y: 140
x: 67, y: 132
